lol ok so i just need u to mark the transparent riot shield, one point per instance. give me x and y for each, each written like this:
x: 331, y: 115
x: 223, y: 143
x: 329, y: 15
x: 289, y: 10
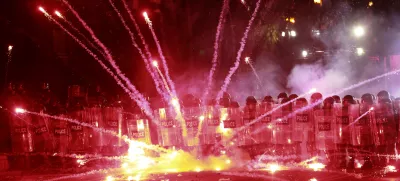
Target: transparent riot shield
x: 42, y: 137
x: 21, y: 133
x: 112, y: 120
x: 304, y: 131
x: 266, y: 128
x: 384, y: 131
x: 191, y: 117
x: 324, y: 134
x: 169, y: 128
x: 94, y: 117
x: 78, y: 133
x: 138, y: 128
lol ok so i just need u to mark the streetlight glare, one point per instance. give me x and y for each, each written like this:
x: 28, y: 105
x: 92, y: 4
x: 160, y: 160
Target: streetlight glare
x: 304, y: 53
x: 359, y: 31
x: 293, y: 33
x: 283, y: 34
x: 360, y: 51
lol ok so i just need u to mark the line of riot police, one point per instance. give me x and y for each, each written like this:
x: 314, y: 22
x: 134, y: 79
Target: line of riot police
x: 343, y: 133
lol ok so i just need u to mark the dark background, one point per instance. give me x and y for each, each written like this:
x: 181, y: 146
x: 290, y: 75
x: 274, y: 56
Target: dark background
x: 186, y: 29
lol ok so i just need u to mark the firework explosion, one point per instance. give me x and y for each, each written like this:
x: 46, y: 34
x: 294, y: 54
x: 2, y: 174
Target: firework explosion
x: 143, y: 159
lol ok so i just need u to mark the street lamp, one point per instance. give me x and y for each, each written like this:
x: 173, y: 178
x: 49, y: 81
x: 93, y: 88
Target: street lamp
x: 360, y: 51
x: 292, y: 33
x: 358, y: 31
x: 304, y: 53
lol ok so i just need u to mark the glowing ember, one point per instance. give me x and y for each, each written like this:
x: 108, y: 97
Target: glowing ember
x: 110, y: 178
x: 201, y: 118
x: 197, y: 169
x: 312, y: 90
x: 80, y: 162
x: 174, y: 102
x: 155, y: 63
x: 41, y: 9
x: 19, y: 110
x: 390, y: 168
x: 247, y: 59
x: 316, y: 166
x: 273, y: 167
x: 58, y: 14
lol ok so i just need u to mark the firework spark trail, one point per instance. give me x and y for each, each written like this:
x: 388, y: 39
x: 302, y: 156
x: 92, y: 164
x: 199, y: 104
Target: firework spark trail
x: 69, y: 177
x: 146, y: 108
x: 146, y: 47
x: 110, y: 59
x: 9, y: 58
x: 255, y: 73
x: 245, y: 5
x: 336, y: 93
x: 146, y: 61
x: 218, y: 38
x: 164, y: 81
x: 79, y: 33
x: 359, y: 117
x: 159, y: 49
x: 239, y: 53
x: 102, y: 130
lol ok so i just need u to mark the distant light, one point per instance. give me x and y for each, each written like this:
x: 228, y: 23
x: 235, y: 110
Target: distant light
x: 317, y: 1
x: 145, y: 14
x: 360, y: 51
x: 370, y: 3
x: 292, y: 20
x: 312, y: 90
x: 10, y: 47
x: 228, y: 161
x: 304, y: 53
x: 316, y: 32
x: 358, y: 31
x: 155, y: 63
x: 19, y: 110
x: 313, y: 179
x: 217, y: 168
x: 293, y: 33
x: 41, y: 9
x: 289, y: 141
x: 371, y: 109
x: 283, y: 34
x: 58, y: 14
x: 247, y: 59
